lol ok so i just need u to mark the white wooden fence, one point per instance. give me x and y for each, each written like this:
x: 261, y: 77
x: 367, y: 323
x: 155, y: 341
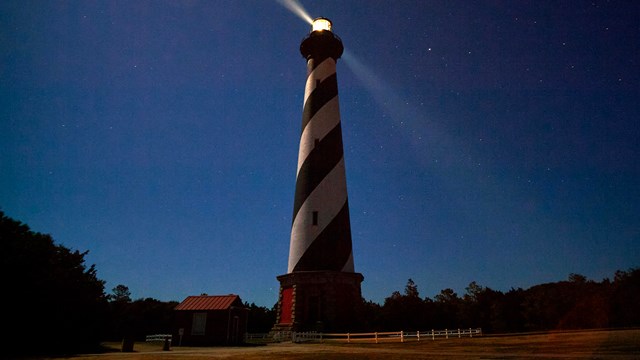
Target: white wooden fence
x: 444, y: 333
x: 165, y: 339
x: 158, y: 337
x: 402, y: 336
x: 398, y: 336
x: 274, y: 336
x: 298, y: 337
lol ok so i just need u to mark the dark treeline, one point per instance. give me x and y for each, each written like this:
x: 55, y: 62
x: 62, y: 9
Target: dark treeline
x: 577, y: 303
x: 57, y: 304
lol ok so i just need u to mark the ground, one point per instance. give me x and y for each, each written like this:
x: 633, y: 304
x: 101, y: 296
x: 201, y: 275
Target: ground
x: 618, y: 344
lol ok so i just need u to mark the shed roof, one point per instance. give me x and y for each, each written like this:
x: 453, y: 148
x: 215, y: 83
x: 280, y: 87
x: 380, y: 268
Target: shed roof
x: 208, y: 302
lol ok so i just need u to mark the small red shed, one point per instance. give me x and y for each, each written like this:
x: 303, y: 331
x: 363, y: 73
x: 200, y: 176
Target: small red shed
x: 210, y: 320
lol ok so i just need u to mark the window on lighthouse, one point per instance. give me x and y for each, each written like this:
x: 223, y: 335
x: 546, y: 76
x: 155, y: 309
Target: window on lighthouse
x: 314, y: 218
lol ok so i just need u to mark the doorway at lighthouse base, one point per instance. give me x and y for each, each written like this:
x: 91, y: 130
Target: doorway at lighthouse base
x: 319, y: 301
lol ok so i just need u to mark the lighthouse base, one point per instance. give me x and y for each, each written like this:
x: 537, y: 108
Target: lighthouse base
x: 319, y: 301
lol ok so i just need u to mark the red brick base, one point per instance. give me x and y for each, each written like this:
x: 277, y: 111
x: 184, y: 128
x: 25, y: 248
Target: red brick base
x: 319, y: 300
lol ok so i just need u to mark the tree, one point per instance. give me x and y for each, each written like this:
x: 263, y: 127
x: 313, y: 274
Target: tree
x: 53, y: 293
x: 135, y: 319
x: 447, y: 296
x: 478, y: 307
x: 121, y: 293
x: 575, y: 304
x: 473, y: 292
x: 506, y: 312
x: 371, y: 316
x: 577, y: 278
x: 625, y: 297
x: 447, y: 308
x: 411, y: 289
x: 261, y: 318
x: 408, y: 311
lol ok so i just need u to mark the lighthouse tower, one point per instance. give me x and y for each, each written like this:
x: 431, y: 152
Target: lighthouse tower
x: 321, y: 290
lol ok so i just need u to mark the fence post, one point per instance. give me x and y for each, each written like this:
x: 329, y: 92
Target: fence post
x: 348, y: 338
x: 470, y: 333
x: 458, y: 333
x: 433, y: 335
x: 446, y: 331
x: 376, y: 335
x: 402, y: 336
x: 418, y: 335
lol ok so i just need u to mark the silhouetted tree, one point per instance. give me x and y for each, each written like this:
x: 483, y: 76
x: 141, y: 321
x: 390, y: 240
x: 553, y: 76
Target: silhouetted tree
x: 411, y: 289
x: 506, y: 312
x: 625, y: 297
x: 136, y: 319
x: 261, y: 318
x: 575, y: 304
x: 408, y: 311
x: 577, y: 278
x: 372, y: 317
x: 152, y: 316
x: 121, y: 293
x: 53, y: 294
x: 392, y: 312
x: 447, y: 305
x: 120, y: 317
x: 477, y: 308
x: 590, y: 305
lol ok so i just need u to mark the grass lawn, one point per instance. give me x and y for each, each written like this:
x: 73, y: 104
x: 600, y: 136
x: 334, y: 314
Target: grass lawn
x: 618, y: 344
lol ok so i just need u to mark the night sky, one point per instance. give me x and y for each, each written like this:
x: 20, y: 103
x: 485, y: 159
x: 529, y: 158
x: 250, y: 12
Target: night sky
x: 487, y: 141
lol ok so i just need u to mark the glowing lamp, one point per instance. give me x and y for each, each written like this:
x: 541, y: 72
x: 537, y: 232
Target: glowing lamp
x: 321, y: 24
x: 321, y: 42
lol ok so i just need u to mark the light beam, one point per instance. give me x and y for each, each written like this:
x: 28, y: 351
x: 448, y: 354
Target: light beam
x: 414, y: 123
x: 297, y: 9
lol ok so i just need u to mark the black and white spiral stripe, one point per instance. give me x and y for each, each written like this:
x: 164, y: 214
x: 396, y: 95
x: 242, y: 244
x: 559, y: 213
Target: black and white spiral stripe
x: 321, y: 230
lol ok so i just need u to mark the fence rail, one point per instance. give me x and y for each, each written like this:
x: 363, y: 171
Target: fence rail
x: 283, y: 336
x: 402, y: 336
x: 158, y: 337
x: 274, y: 336
x: 444, y: 333
x: 396, y: 336
x: 311, y: 336
x: 364, y: 337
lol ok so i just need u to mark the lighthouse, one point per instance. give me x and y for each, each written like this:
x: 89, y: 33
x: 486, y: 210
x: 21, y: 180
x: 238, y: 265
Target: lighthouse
x: 321, y: 290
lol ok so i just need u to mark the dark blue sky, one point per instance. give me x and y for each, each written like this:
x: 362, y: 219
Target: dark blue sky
x: 485, y: 141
